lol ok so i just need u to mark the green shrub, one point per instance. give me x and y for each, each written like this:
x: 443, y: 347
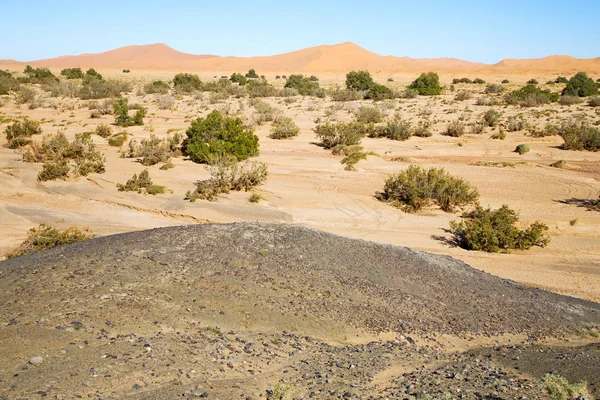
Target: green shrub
x: 72, y: 73
x: 522, y: 149
x: 218, y: 136
x: 494, y: 231
x: 559, y: 164
x: 126, y: 71
x: 92, y: 88
x: 25, y: 95
x: 530, y: 96
x: 93, y: 74
x: 580, y: 85
x: 396, y: 129
x: 238, y: 78
x: 561, y: 79
x: 251, y: 74
x: 559, y: 388
x: 359, y: 80
x: 345, y: 95
x: 142, y: 184
x: 532, y: 81
x: 478, y: 81
x: 157, y: 86
x: 456, y: 81
x: 303, y: 84
x: 428, y: 84
x: 118, y: 139
x: 455, y: 129
x: 339, y: 134
x: 284, y: 128
x: 379, y: 92
x: 494, y: 88
x: 54, y: 169
x: 500, y: 135
x: 103, y: 130
x: 19, y: 133
x: 353, y: 154
x: 505, y: 81
x: 46, y: 237
x: 7, y: 82
x: 187, y: 83
x: 579, y: 135
x: 122, y: 117
x: 228, y: 175
x: 39, y: 75
x: 491, y: 117
x: 368, y: 115
x: 416, y: 188
x: 594, y: 102
x: 82, y: 151
x: 549, y: 130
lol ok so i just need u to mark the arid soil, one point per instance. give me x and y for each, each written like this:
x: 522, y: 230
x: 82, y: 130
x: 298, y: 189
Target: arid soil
x: 242, y: 310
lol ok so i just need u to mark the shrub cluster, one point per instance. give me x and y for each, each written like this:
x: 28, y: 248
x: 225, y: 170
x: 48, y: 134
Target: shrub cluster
x: 345, y: 95
x: 238, y: 78
x: 359, y: 80
x: 531, y: 96
x: 337, y: 134
x: 187, y: 83
x: 118, y: 139
x: 304, y: 85
x: 478, y: 81
x: 38, y: 75
x: 45, y: 237
x: 284, y: 128
x: 122, y: 117
x: 455, y: 129
x: 561, y: 79
x: 580, y: 85
x: 142, y: 184
x: 72, y: 73
x: 362, y: 82
x: 103, y: 131
x: 153, y: 150
x: 7, y: 82
x: 251, y: 74
x: 217, y: 136
x: 456, y: 81
x: 494, y: 88
x: 491, y: 117
x: 397, y: 129
x: 228, y: 175
x: 93, y: 88
x: 19, y: 133
x: 495, y: 231
x: 428, y: 84
x: 368, y: 115
x: 579, y: 135
x: 516, y: 123
x: 416, y: 188
x: 157, y: 86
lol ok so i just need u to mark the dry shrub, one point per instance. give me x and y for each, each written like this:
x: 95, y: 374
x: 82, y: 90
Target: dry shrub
x: 46, y: 237
x: 284, y: 128
x: 19, y: 133
x: 455, y: 129
x: 340, y: 133
x: 142, y: 184
x: 103, y: 131
x: 154, y: 150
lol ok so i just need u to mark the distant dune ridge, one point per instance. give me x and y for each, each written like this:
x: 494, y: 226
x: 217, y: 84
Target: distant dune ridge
x: 327, y: 58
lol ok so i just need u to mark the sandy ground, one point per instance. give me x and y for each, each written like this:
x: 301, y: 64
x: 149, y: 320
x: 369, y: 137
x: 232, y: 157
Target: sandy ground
x: 308, y: 185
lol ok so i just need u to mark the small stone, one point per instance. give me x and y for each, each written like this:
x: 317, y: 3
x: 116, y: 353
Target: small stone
x: 36, y: 360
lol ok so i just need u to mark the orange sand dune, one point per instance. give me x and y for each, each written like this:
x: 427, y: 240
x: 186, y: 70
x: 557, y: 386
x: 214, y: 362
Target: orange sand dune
x: 327, y: 58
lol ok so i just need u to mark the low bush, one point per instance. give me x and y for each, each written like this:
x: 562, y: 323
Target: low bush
x: 25, y: 95
x: 228, y: 175
x: 486, y: 101
x: 505, y: 81
x: 491, y: 117
x: 559, y: 388
x: 152, y: 150
x: 530, y: 96
x: 549, y: 130
x: 567, y: 100
x: 478, y: 128
x: 92, y: 88
x: 354, y: 154
x: 579, y: 135
x: 423, y: 128
x: 532, y: 81
x: 522, y: 149
x: 359, y: 80
x: 7, y: 82
x: 345, y: 95
x: 54, y: 169
x: 238, y: 78
x: 187, y: 83
x: 19, y: 133
x: 157, y: 86
x: 379, y: 92
x: 561, y: 79
x: 516, y: 123
x: 416, y: 188
x: 118, y: 139
x: 72, y: 73
x: 559, y: 164
x: 103, y: 131
x: 494, y: 231
x: 594, y: 102
x: 463, y: 95
x: 251, y: 74
x: 261, y: 88
x: 367, y: 115
x: 493, y: 88
x: 455, y: 129
x: 580, y: 85
x: 478, y: 81
x: 456, y: 81
x: 264, y: 112
x: 304, y: 85
x: 284, y: 128
x: 218, y: 136
x: 39, y: 75
x: 142, y: 184
x: 428, y: 84
x: 500, y: 135
x: 332, y: 135
x: 122, y: 117
x: 45, y: 237
x: 93, y: 74
x: 165, y: 102
x: 397, y: 129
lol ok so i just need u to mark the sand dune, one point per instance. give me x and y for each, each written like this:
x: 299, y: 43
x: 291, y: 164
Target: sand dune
x: 327, y: 58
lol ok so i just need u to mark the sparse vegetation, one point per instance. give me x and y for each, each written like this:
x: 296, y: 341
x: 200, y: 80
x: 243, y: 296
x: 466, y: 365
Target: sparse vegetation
x: 484, y: 229
x: 530, y: 96
x: 491, y: 117
x: 122, y: 117
x: 397, y: 129
x: 493, y: 88
x: 187, y: 83
x: 118, y: 139
x: 579, y: 135
x: 72, y: 73
x: 339, y: 134
x: 416, y: 188
x: 44, y: 237
x: 368, y: 115
x: 142, y: 184
x: 19, y: 133
x: 455, y: 129
x: 559, y: 388
x: 154, y: 150
x: 157, y: 86
x: 103, y: 131
x: 516, y: 123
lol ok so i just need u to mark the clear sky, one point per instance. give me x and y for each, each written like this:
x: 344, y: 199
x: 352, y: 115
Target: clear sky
x: 475, y: 30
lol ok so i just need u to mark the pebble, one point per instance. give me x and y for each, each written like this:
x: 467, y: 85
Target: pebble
x: 36, y: 360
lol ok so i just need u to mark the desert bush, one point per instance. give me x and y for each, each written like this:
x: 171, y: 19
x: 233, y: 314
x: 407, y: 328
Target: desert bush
x: 594, y: 102
x: 86, y: 159
x: 345, y: 95
x: 39, y: 75
x: 462, y: 95
x: 516, y: 123
x: 491, y: 117
x: 238, y: 78
x: 93, y: 74
x: 228, y: 175
x: 549, y: 130
x: 409, y: 93
x: 397, y: 129
x: 62, y: 89
x: 93, y: 88
x: 53, y: 169
x: 494, y: 231
x: 500, y: 135
x: 19, y: 133
x: 522, y: 149
x: 45, y: 237
x: 416, y: 188
x: 579, y: 135
x: 25, y: 95
x: 303, y: 84
x: 561, y: 79
x: 261, y: 88
x: 151, y: 151
x: 122, y: 117
x: 368, y: 115
x: 118, y: 139
x: 567, y: 100
x: 494, y: 88
x: 251, y: 74
x: 379, y: 92
x: 456, y: 81
x: 559, y: 164
x: 218, y: 136
x: 532, y: 81
x: 423, y: 128
x: 359, y: 80
x: 530, y: 96
x: 478, y: 81
x: 504, y: 81
x: 580, y: 85
x: 157, y: 86
x: 142, y: 184
x: 353, y: 154
x: 165, y: 102
x: 478, y: 128
x: 455, y: 129
x: 428, y: 84
x: 559, y: 388
x: 7, y: 82
x: 72, y: 73
x: 284, y: 128
x: 339, y: 134
x: 51, y: 148
x: 486, y: 101
x: 264, y: 112
x: 103, y: 130
x: 187, y: 83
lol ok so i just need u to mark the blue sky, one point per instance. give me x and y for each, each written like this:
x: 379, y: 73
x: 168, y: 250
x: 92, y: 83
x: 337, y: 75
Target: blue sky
x: 483, y: 30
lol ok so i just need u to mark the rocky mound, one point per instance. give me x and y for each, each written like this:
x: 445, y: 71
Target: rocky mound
x: 232, y: 309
